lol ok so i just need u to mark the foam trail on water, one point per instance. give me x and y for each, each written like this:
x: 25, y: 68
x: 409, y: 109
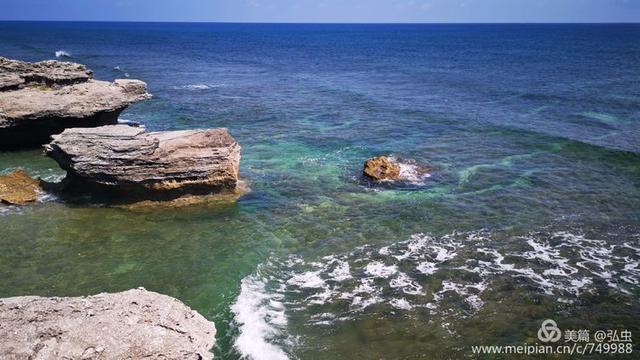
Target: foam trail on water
x: 197, y: 86
x: 62, y: 53
x: 449, y: 275
x: 261, y: 317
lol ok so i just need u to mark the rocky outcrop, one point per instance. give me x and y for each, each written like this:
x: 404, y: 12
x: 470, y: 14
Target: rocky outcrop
x: 389, y: 168
x: 147, y: 165
x: 382, y: 168
x: 47, y: 73
x: 18, y: 188
x: 133, y: 324
x: 40, y: 99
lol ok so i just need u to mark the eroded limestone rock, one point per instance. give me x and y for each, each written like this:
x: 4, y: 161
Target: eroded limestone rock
x: 148, y: 165
x: 40, y: 99
x: 134, y: 324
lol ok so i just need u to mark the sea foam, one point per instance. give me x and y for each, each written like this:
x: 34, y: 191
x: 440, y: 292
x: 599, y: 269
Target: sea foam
x: 62, y: 53
x: 450, y: 276
x: 200, y: 86
x: 261, y: 317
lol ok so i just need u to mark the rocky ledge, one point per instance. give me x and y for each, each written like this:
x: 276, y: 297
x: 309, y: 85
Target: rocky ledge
x: 136, y: 165
x: 133, y: 324
x: 40, y: 99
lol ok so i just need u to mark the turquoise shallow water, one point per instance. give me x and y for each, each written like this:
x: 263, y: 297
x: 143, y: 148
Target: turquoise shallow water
x: 531, y: 211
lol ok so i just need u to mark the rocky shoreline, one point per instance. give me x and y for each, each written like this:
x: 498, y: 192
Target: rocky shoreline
x: 133, y: 324
x: 60, y: 105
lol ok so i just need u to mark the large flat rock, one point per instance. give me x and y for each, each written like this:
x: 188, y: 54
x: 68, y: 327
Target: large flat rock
x: 148, y: 165
x: 38, y: 100
x: 133, y: 324
x: 48, y: 73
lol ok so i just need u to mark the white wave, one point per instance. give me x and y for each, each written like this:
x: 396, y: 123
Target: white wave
x: 378, y: 269
x: 117, y: 68
x: 323, y: 319
x: 410, y: 172
x: 360, y: 303
x: 401, y: 304
x: 408, y: 286
x: 427, y: 267
x: 45, y: 197
x: 53, y: 176
x: 309, y: 279
x: 341, y: 272
x: 132, y: 123
x: 261, y: 317
x: 201, y: 86
x: 365, y: 287
x: 449, y: 275
x: 9, y: 209
x: 62, y: 53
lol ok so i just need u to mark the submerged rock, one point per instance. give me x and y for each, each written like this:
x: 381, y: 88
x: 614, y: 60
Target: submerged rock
x: 18, y: 188
x: 40, y: 99
x: 133, y: 324
x: 389, y: 168
x: 142, y: 165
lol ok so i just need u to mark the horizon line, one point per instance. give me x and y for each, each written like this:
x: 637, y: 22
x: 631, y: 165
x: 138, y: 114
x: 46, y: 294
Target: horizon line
x: 339, y: 22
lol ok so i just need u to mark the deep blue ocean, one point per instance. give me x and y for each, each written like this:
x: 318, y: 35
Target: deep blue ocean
x: 532, y: 210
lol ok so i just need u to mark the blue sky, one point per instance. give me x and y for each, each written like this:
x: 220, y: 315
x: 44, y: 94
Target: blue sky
x: 325, y: 10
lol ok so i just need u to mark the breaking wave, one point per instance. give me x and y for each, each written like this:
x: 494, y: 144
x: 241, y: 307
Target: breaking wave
x: 410, y: 172
x: 197, y: 86
x: 449, y: 277
x: 261, y: 317
x: 62, y: 53
x: 451, y: 273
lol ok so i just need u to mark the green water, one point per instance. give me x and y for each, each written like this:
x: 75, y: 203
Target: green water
x: 311, y: 202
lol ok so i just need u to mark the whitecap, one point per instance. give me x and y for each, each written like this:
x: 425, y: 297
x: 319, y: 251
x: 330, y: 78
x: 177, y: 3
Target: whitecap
x: 341, y: 272
x: 562, y: 266
x: 261, y: 317
x: 366, y: 286
x: 132, y: 123
x: 309, y: 279
x: 378, y: 269
x: 401, y: 304
x: 410, y: 172
x: 427, y: 267
x: 404, y: 283
x: 200, y: 86
x: 62, y: 53
x: 360, y: 303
